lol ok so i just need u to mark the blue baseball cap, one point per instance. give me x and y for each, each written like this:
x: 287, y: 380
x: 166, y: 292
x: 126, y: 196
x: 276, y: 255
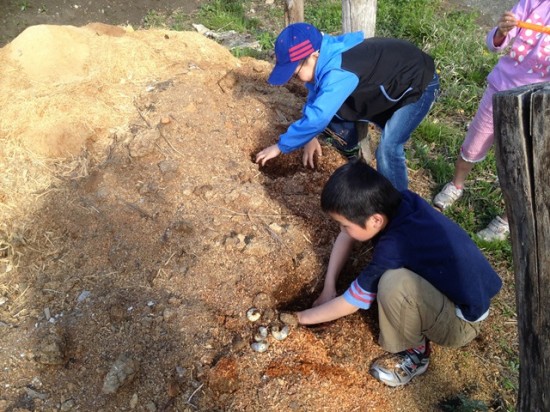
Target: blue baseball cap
x: 296, y: 42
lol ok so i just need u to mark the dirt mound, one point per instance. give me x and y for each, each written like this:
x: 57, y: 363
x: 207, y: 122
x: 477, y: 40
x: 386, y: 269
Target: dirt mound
x: 91, y: 75
x: 136, y: 231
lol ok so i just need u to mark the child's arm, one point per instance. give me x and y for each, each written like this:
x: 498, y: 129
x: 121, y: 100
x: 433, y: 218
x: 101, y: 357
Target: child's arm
x: 331, y: 310
x: 338, y: 257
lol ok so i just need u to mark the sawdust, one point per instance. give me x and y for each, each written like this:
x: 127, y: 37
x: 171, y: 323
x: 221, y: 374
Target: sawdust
x: 134, y: 223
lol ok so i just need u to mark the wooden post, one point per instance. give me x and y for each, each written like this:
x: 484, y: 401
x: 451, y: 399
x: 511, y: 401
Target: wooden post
x: 360, y: 15
x: 294, y: 11
x: 522, y: 136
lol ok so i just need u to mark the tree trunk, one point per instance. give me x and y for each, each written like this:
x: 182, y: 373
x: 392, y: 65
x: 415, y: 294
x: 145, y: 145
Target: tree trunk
x: 294, y: 11
x: 360, y: 15
x: 521, y: 124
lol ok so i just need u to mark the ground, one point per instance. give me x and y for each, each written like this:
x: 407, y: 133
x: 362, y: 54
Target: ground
x: 136, y: 231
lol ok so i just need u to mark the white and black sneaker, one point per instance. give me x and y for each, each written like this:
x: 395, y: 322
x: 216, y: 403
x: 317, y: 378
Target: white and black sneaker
x: 398, y: 369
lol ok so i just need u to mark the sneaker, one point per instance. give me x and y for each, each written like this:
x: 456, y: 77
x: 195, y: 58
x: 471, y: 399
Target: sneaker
x: 498, y: 229
x: 398, y: 369
x: 447, y: 196
x: 351, y: 153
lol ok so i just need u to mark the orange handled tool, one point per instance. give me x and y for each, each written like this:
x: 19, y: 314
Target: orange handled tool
x: 534, y: 27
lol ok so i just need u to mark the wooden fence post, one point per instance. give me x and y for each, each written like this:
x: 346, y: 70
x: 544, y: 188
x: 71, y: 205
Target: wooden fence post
x: 360, y: 15
x: 294, y: 11
x: 522, y: 137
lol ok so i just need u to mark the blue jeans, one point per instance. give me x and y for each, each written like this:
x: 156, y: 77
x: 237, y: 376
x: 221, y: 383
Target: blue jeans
x: 390, y: 154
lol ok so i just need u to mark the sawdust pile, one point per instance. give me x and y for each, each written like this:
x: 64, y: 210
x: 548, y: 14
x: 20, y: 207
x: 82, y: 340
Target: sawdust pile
x: 63, y: 86
x: 135, y: 232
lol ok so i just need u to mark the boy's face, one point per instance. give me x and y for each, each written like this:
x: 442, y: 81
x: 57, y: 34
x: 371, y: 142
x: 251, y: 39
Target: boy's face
x: 306, y: 69
x: 373, y: 225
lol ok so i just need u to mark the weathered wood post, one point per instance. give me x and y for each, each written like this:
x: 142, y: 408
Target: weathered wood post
x: 522, y: 136
x: 360, y: 15
x: 294, y: 11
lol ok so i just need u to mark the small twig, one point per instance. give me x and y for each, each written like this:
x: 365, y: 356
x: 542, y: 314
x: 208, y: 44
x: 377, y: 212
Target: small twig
x: 142, y: 212
x: 168, y: 142
x: 193, y: 394
x: 335, y: 136
x: 171, y: 256
x: 142, y: 115
x: 21, y: 295
x: 39, y: 195
x: 307, y: 239
x: 53, y: 291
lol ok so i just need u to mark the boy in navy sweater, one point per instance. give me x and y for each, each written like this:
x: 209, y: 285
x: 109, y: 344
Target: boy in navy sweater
x: 429, y: 278
x: 388, y: 82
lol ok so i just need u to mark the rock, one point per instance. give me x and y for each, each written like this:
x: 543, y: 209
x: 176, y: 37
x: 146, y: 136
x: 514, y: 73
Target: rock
x: 134, y: 401
x: 68, y: 405
x: 31, y: 393
x: 83, y: 296
x: 124, y: 370
x: 51, y: 350
x: 289, y: 319
x: 169, y: 314
x: 143, y: 143
x: 276, y: 228
x: 167, y: 166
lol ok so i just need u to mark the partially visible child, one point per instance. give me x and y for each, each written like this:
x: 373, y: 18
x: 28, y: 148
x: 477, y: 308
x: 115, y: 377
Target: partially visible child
x: 429, y: 278
x: 388, y: 82
x: 527, y: 62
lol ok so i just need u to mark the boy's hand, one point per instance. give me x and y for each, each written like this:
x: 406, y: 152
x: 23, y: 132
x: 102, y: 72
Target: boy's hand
x: 325, y: 296
x: 267, y: 154
x: 311, y: 149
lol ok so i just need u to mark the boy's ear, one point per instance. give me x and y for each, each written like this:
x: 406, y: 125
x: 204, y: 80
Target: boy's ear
x: 377, y: 220
x: 315, y: 54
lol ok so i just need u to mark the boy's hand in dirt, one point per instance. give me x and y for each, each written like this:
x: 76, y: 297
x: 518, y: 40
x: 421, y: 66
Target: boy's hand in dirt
x: 311, y: 149
x: 267, y: 154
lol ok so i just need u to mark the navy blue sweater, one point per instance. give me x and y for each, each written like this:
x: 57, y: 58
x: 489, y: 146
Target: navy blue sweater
x: 425, y: 241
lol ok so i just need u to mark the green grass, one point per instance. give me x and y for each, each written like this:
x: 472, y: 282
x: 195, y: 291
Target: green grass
x: 326, y: 15
x: 227, y: 15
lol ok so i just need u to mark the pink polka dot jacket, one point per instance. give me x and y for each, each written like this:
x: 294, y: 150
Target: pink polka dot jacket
x: 528, y: 58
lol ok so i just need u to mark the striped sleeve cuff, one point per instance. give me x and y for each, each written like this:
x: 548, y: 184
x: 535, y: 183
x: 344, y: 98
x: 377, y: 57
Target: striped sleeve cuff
x: 357, y: 296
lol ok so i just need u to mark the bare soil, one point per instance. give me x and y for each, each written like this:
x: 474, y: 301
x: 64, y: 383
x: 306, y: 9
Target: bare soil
x: 135, y: 233
x: 17, y: 15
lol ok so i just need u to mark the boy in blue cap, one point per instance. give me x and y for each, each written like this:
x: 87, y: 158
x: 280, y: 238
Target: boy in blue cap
x: 388, y: 82
x: 429, y: 278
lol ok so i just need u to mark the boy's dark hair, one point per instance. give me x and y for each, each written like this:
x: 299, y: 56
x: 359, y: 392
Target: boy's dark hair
x: 357, y: 191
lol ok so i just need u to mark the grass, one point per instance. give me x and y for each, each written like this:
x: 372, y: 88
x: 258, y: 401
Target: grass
x: 457, y: 44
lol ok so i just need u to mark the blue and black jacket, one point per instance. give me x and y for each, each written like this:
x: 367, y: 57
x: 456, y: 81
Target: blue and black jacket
x: 357, y: 79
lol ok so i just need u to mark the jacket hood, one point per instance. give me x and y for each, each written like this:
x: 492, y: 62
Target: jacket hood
x: 331, y: 51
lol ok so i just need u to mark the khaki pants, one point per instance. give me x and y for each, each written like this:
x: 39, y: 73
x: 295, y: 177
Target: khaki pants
x: 410, y: 308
